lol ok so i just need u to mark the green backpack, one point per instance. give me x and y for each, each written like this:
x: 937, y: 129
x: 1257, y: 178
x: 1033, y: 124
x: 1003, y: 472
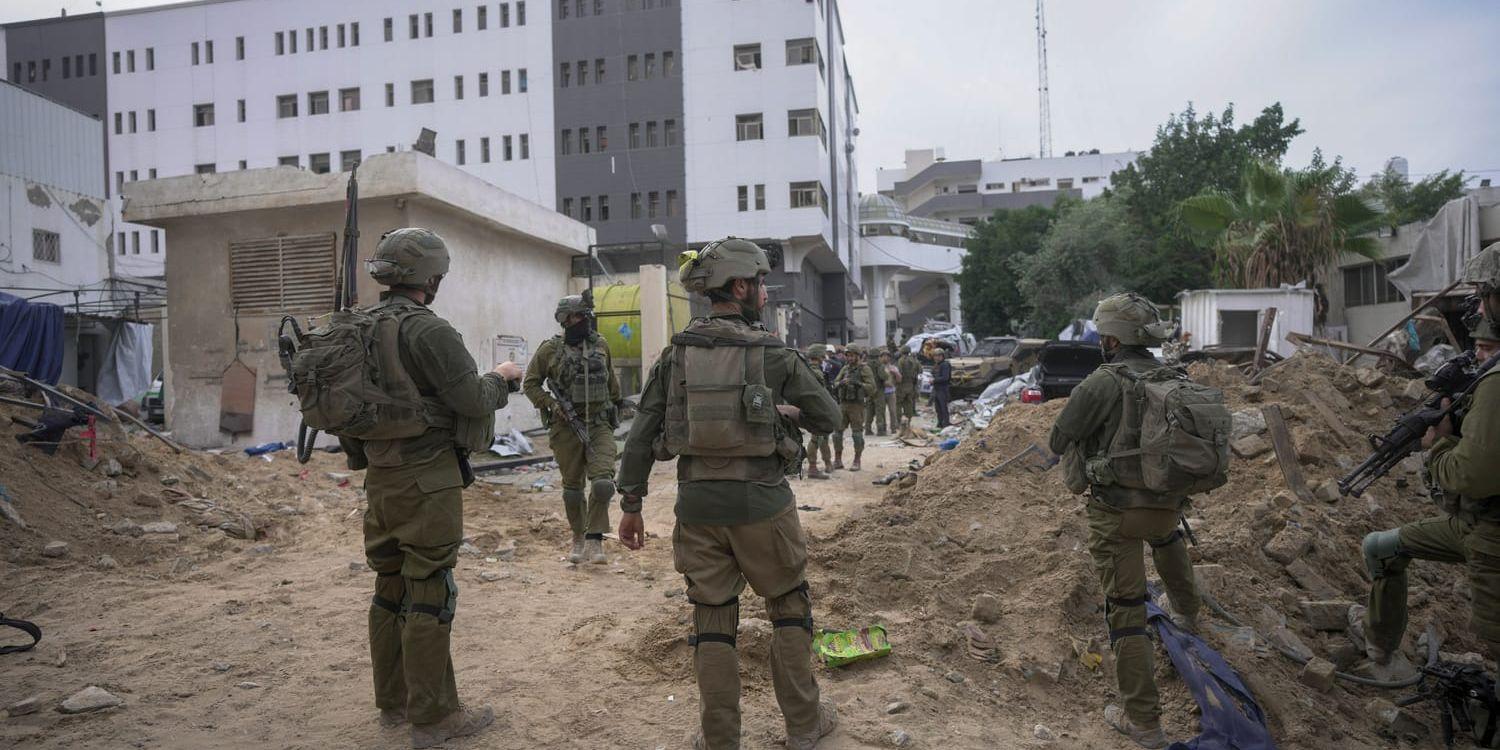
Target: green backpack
x: 1174, y: 433
x: 349, y: 379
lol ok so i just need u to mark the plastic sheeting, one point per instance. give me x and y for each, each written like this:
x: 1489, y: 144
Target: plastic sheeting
x: 1231, y: 719
x: 1448, y: 240
x: 31, y: 338
x: 126, y: 373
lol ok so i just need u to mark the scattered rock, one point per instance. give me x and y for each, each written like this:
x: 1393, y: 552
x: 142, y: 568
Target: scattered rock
x: 261, y: 550
x: 1369, y: 377
x: 287, y: 510
x: 507, y: 552
x: 1310, y: 580
x: 468, y: 548
x: 107, y: 563
x: 1395, y: 722
x: 170, y: 480
x: 895, y: 707
x: 1318, y: 675
x: 198, y: 473
x: 127, y: 527
x: 147, y: 500
x: 9, y: 512
x: 986, y: 608
x: 929, y: 692
x: 1287, y: 640
x: 91, y: 698
x: 1344, y: 654
x: 1289, y: 544
x: 338, y: 476
x: 1327, y: 491
x: 1245, y: 423
x: 1042, y: 733
x: 25, y: 706
x: 159, y: 527
x: 898, y: 738
x: 1250, y: 446
x: 954, y: 677
x: 490, y: 576
x: 1326, y: 615
x: 111, y: 467
x: 220, y: 666
x: 1209, y: 577
x: 673, y: 593
x: 1415, y: 390
x: 358, y: 567
x: 248, y: 685
x: 55, y: 549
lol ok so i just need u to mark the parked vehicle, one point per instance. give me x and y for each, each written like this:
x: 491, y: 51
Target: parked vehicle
x: 1064, y: 364
x: 995, y: 357
x: 153, y: 406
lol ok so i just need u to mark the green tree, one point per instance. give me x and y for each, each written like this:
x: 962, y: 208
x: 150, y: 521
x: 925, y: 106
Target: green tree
x: 1405, y: 202
x: 1078, y: 262
x: 1190, y: 154
x: 992, y: 303
x: 1282, y: 225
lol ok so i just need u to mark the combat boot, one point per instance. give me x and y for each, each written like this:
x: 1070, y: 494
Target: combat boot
x: 828, y: 720
x: 1148, y: 738
x: 858, y: 452
x: 813, y: 473
x: 593, y: 551
x: 576, y: 556
x: 460, y: 723
x: 390, y: 718
x: 1387, y: 666
x: 838, y: 459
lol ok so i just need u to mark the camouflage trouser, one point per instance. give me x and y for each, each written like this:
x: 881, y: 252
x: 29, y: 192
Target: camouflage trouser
x: 1441, y: 538
x: 587, y: 508
x: 877, y: 408
x: 818, y: 447
x: 1115, y: 539
x: 906, y: 404
x: 716, y: 562
x: 853, y: 420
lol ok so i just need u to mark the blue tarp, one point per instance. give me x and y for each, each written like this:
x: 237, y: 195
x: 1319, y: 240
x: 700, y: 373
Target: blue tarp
x: 1231, y: 719
x: 31, y: 338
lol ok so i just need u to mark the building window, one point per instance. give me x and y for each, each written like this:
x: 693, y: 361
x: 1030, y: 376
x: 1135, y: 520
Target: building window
x: 760, y: 197
x: 744, y: 197
x: 390, y: 95
x: 562, y: 9
x: 603, y: 208
x: 354, y: 34
x: 804, y: 122
x: 747, y: 57
x: 651, y: 134
x: 521, y: 80
x: 286, y: 106
x: 601, y: 136
x: 583, y: 73
x: 203, y: 115
x: 317, y: 103
x: 521, y: 17
x: 635, y: 135
x: 598, y: 7
x: 67, y: 67
x: 412, y: 26
x: 650, y: 67
x: 134, y: 175
x: 151, y: 173
x: 598, y: 70
x: 632, y: 67
x: 239, y: 48
x: 1367, y: 284
x: 120, y: 243
x: 132, y: 122
x: 150, y: 60
x: 129, y: 62
x: 669, y: 63
x: 564, y: 70
x: 151, y: 121
x: 801, y: 51
x: 349, y: 100
x: 459, y: 156
x: 635, y: 205
x: 318, y: 163
x: 525, y: 142
x: 504, y: 82
x: 749, y: 127
x: 93, y: 63
x: 119, y: 123
x: 348, y: 160
x: 458, y: 87
x: 567, y: 207
x: 458, y: 20
x: 805, y: 194
x: 322, y: 37
x: 421, y: 91
x: 243, y: 165
x: 289, y: 161
x: 484, y: 142
x: 204, y: 169
x: 46, y: 246
x: 390, y: 29
x: 653, y: 204
x: 1065, y: 183
x: 427, y: 24
x: 583, y: 141
x: 280, y: 42
x: 155, y: 243
x: 482, y: 17
x: 31, y: 68
x: 484, y: 84
x: 673, y: 208
x: 565, y: 142
x: 195, y: 56
x: 135, y: 243
x: 340, y: 35
x: 586, y: 208
x: 504, y: 15
x: 208, y: 52
x: 505, y: 152
x: 239, y: 110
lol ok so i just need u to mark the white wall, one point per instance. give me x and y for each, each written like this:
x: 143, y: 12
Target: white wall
x: 1294, y: 313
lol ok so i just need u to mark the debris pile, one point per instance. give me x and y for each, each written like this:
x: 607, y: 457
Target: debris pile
x: 987, y: 581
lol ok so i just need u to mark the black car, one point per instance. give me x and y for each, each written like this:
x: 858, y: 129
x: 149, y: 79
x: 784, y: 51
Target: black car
x: 1064, y: 364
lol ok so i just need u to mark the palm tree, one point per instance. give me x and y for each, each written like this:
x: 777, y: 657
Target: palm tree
x: 1283, y: 225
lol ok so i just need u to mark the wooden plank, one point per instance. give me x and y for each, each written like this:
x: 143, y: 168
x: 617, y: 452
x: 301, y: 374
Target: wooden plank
x: 1286, y: 452
x: 1302, y: 338
x: 1268, y: 319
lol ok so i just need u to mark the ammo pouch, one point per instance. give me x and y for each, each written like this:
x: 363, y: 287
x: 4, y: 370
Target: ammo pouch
x: 721, y: 417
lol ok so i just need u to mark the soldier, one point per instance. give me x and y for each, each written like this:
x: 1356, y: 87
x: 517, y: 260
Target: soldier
x: 906, y: 389
x: 852, y: 388
x: 818, y: 444
x: 414, y: 522
x: 892, y: 382
x: 720, y: 398
x: 942, y: 377
x: 578, y: 362
x: 875, y: 402
x: 1463, y: 482
x: 1121, y: 518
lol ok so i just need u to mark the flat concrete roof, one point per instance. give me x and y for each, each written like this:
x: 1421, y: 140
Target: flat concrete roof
x: 407, y: 174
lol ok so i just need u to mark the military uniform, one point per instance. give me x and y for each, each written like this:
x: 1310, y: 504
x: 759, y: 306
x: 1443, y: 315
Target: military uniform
x: 818, y: 445
x: 1120, y: 520
x: 1466, y: 486
x: 875, y: 405
x: 852, y: 388
x: 413, y: 523
x: 711, y: 401
x: 906, y: 390
x: 585, y: 372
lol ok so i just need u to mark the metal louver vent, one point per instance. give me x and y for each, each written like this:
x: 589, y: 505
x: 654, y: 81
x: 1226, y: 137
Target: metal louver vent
x: 283, y: 274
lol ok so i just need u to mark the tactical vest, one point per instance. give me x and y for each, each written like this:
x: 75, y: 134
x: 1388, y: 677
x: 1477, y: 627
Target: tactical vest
x: 584, y: 370
x: 851, y: 388
x: 721, y: 417
x: 1466, y: 508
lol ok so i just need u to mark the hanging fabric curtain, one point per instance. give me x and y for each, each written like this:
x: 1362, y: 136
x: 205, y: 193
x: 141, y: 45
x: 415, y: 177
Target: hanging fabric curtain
x: 31, y: 338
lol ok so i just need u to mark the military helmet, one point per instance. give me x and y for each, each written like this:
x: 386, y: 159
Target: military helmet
x: 1131, y: 319
x: 855, y: 349
x: 1483, y: 326
x: 817, y: 351
x: 569, y: 305
x: 1484, y: 269
x: 408, y: 257
x: 721, y: 262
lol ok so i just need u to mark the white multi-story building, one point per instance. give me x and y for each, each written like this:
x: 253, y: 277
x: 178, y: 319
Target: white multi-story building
x: 708, y: 117
x: 969, y: 190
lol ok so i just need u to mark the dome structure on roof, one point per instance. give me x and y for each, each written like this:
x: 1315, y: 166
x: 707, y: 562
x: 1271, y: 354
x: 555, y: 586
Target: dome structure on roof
x: 881, y: 209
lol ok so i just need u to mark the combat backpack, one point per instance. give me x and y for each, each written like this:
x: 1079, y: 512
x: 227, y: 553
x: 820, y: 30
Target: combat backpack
x: 1174, y: 433
x: 348, y: 376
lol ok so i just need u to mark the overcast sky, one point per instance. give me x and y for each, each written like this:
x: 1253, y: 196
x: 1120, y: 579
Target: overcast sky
x: 1368, y: 78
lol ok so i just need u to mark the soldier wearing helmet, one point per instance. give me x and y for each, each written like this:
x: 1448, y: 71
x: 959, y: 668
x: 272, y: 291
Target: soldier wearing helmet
x: 578, y: 363
x: 853, y: 388
x: 1464, y: 484
x: 1121, y: 518
x: 414, y: 522
x: 819, y: 445
x: 727, y: 399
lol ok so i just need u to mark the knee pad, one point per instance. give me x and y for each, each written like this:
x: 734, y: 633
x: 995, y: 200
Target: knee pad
x: 601, y: 490
x: 390, y: 592
x: 444, y: 612
x: 1383, y: 553
x: 792, y: 609
x: 1114, y: 604
x: 703, y: 614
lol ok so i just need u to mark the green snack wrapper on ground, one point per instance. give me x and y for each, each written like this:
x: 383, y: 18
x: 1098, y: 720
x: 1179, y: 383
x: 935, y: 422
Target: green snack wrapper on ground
x: 838, y: 648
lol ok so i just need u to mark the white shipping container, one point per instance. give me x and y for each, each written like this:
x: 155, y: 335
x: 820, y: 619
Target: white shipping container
x: 1232, y: 317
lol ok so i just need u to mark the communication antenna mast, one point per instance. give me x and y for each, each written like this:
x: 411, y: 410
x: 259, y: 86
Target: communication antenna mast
x: 1041, y: 86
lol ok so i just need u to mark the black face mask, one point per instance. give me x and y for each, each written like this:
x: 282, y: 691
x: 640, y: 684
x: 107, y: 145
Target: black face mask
x: 577, y: 333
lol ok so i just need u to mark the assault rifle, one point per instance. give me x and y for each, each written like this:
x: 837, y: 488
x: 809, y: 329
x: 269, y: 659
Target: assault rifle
x: 1466, y: 700
x: 1454, y: 380
x: 570, y: 413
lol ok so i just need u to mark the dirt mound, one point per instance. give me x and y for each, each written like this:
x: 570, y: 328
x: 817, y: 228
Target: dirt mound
x: 918, y: 560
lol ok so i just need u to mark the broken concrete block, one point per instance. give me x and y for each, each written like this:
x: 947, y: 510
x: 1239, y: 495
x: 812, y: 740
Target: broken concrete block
x: 986, y: 608
x: 1327, y: 491
x: 1245, y: 423
x: 1285, y: 640
x: 1250, y: 446
x: 1393, y: 721
x: 1310, y: 580
x: 1289, y: 544
x: 91, y: 698
x: 1344, y: 654
x: 1330, y: 615
x: 1369, y: 377
x: 1415, y: 390
x: 55, y: 549
x: 1318, y: 675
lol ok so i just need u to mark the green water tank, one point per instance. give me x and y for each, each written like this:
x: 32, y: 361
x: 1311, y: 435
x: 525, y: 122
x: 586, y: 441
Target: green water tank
x: 617, y: 307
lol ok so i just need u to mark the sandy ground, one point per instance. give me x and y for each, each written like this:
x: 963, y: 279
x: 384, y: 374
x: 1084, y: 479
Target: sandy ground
x: 216, y: 642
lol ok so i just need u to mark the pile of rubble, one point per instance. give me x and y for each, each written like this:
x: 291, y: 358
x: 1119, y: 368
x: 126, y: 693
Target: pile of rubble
x: 988, y: 581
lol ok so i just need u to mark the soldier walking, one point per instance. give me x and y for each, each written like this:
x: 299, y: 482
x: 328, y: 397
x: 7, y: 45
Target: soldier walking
x: 414, y: 485
x: 727, y: 398
x: 576, y: 368
x: 906, y: 388
x: 853, y: 387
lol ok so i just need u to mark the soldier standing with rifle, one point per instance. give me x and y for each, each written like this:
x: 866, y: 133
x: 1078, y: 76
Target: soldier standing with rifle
x: 727, y: 399
x: 579, y: 408
x: 1464, y: 482
x: 875, y: 409
x: 906, y: 388
x: 853, y: 387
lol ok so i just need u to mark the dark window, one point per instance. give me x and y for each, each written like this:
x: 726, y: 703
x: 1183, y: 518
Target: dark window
x: 504, y: 15
x: 635, y: 135
x: 584, y: 141
x: 603, y: 208
x: 239, y: 113
x: 805, y: 194
x: 601, y: 136
x: 598, y: 70
x: 318, y: 163
x: 565, y: 142
x: 67, y: 67
x: 562, y: 9
x: 521, y: 18
x: 46, y: 246
x: 564, y: 74
x: 525, y: 145
x: 317, y: 103
x: 651, y: 134
x: 760, y: 197
x: 208, y: 52
x: 129, y: 64
x: 150, y: 63
x: 203, y: 115
x: 505, y: 152
x: 747, y: 57
x: 482, y: 18
x: 93, y: 63
x: 504, y: 82
x: 322, y: 37
x: 341, y: 35
x: 31, y: 65
x: 635, y: 205
x: 280, y: 43
x: 286, y: 106
x: 390, y: 95
x: 426, y: 24
x: 349, y: 100
x: 653, y: 204
x: 484, y: 143
x: 132, y: 123
x: 567, y: 207
x: 484, y: 84
x: 413, y: 23
x: 458, y: 87
x: 650, y: 67
x: 673, y: 208
x: 1367, y: 284
x: 669, y: 132
x: 151, y: 120
x: 390, y: 29
x: 801, y: 51
x: 744, y: 197
x: 354, y: 34
x: 458, y: 152
x: 195, y: 57
x: 421, y: 91
x: 669, y: 63
x: 632, y: 67
x: 458, y: 20
x: 289, y: 161
x: 583, y: 73
x: 585, y: 206
x: 204, y: 169
x: 239, y: 48
x: 521, y: 80
x: 749, y: 127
